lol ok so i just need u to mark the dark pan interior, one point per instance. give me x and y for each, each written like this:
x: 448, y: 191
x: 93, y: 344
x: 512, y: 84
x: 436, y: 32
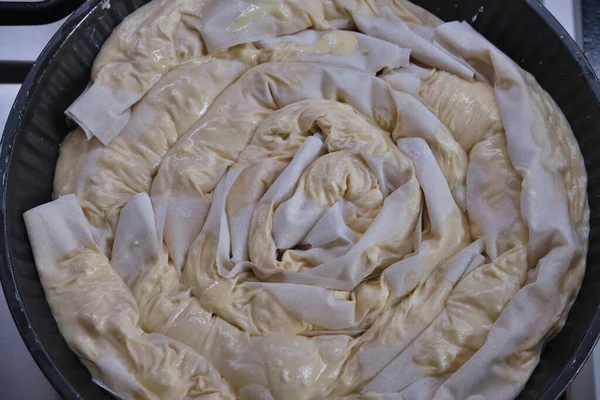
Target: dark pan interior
x: 36, y: 127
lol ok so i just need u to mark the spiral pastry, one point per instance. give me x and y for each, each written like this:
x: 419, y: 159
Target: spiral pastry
x: 275, y: 199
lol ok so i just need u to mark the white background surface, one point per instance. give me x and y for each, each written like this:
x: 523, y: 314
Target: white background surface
x: 20, y: 378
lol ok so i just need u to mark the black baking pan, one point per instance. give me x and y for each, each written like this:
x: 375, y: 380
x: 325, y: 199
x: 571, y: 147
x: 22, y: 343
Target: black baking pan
x: 36, y: 127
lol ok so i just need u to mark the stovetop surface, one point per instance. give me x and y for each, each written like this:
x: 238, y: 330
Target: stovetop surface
x: 20, y: 378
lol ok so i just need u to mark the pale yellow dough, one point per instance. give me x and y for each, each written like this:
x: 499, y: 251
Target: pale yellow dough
x: 273, y: 220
